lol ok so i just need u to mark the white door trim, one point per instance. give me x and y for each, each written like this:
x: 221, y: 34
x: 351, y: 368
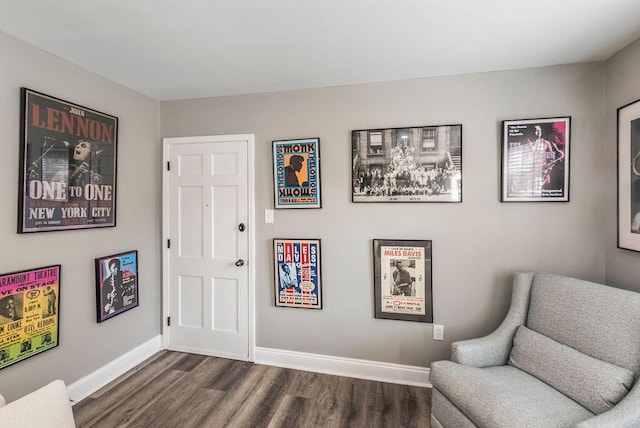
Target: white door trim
x: 166, y: 142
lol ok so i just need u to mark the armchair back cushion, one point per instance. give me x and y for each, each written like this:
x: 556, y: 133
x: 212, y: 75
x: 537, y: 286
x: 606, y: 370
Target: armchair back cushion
x: 594, y: 384
x: 591, y: 318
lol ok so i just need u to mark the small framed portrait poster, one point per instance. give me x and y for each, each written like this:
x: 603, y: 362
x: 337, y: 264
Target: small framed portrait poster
x: 298, y: 282
x: 116, y: 284
x: 296, y: 173
x: 402, y: 280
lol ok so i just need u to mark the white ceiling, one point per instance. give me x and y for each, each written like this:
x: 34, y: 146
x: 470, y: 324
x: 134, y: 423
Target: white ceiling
x: 178, y: 49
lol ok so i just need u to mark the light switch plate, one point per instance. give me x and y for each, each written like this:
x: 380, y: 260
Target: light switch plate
x: 438, y: 332
x: 268, y: 216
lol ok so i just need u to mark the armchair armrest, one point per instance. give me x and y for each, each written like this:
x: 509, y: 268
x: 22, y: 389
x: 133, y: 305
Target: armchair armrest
x: 48, y: 406
x: 626, y: 414
x: 493, y: 349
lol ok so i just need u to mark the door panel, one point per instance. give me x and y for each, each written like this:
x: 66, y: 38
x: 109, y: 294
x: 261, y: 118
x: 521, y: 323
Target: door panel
x: 208, y: 293
x: 190, y: 219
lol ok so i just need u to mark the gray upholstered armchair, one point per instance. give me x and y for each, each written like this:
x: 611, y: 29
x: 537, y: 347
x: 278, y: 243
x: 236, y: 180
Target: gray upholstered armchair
x: 566, y: 355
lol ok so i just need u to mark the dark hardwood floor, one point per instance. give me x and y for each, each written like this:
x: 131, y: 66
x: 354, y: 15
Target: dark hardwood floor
x: 174, y: 389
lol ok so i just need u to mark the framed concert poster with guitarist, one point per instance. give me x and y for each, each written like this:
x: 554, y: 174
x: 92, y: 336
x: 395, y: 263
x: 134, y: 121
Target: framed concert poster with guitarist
x: 116, y: 284
x: 67, y: 165
x: 535, y: 160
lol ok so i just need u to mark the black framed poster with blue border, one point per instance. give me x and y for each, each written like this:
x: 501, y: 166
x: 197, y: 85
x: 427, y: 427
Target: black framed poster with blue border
x: 296, y: 173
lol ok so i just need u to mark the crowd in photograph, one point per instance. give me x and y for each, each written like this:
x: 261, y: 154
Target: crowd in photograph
x: 419, y: 180
x: 404, y: 177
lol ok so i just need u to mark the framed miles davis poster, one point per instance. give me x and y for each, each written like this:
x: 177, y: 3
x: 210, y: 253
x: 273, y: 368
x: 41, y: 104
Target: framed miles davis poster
x: 297, y: 273
x: 403, y: 280
x: 67, y: 165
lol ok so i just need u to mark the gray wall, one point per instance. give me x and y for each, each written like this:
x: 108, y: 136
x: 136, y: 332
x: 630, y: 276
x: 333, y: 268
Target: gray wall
x: 476, y: 244
x: 622, y: 87
x: 84, y: 345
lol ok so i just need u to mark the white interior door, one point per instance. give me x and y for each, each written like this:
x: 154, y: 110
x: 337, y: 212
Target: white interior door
x: 208, y: 245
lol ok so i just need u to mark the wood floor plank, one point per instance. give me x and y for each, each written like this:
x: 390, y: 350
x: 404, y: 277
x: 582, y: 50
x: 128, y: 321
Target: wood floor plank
x: 189, y: 399
x: 231, y: 376
x: 189, y: 362
x: 194, y: 406
x: 126, y: 412
x: 237, y: 397
x: 123, y: 387
x: 293, y: 411
x: 174, y: 389
x: 259, y: 408
x: 157, y: 363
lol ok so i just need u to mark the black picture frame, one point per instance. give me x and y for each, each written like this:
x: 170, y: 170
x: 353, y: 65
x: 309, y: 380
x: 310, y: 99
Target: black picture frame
x: 408, y: 164
x: 405, y: 293
x: 29, y: 313
x: 117, y: 284
x: 68, y: 168
x: 536, y: 155
x: 628, y: 176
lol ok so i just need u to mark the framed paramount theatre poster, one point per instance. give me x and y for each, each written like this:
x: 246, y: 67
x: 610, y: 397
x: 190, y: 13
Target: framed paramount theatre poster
x: 29, y: 313
x: 67, y: 165
x: 116, y: 284
x: 535, y: 160
x: 416, y: 164
x: 402, y: 280
x: 296, y: 173
x: 297, y: 273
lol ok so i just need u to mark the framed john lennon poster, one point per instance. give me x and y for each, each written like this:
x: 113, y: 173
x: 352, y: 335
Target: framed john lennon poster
x: 296, y: 173
x: 67, y: 165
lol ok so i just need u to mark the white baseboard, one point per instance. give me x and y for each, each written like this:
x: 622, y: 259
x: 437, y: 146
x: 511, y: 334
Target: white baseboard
x: 105, y: 374
x: 351, y: 367
x: 361, y: 369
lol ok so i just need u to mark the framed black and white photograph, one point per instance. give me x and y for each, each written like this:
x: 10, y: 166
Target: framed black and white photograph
x: 629, y: 176
x: 67, y: 165
x: 403, y: 280
x: 116, y: 284
x: 535, y: 160
x: 412, y: 164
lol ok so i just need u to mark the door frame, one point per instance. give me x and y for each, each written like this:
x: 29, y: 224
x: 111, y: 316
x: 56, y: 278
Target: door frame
x: 212, y: 139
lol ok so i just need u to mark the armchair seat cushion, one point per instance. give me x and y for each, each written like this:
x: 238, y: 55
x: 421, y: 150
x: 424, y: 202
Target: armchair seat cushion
x: 597, y: 385
x: 504, y: 396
